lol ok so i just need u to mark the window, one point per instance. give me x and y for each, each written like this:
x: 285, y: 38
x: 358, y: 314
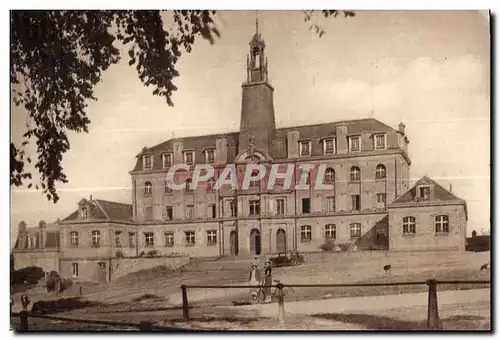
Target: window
x: 190, y: 238
x: 355, y: 174
x: 211, y: 184
x: 147, y: 162
x: 74, y: 270
x: 409, y: 225
x: 118, y: 236
x: 255, y: 182
x: 210, y: 156
x: 213, y: 210
x: 425, y: 193
x: 149, y: 239
x: 254, y: 206
x: 95, y: 237
x: 380, y: 141
x: 83, y: 213
x: 31, y: 242
x: 305, y: 233
x: 169, y: 239
x: 148, y: 189
x: 305, y: 148
x: 211, y: 237
x: 189, y: 158
x: 381, y: 197
x: 168, y: 189
x: 329, y: 175
x: 188, y: 185
x: 131, y: 240
x: 234, y: 208
x: 328, y: 146
x: 330, y: 204
x: 280, y: 206
x: 73, y: 237
x: 330, y: 232
x: 354, y: 143
x: 306, y: 205
x: 442, y: 224
x: 380, y: 172
x: 189, y: 212
x: 149, y: 213
x: 167, y: 160
x: 170, y: 213
x: 356, y: 204
x: 355, y: 230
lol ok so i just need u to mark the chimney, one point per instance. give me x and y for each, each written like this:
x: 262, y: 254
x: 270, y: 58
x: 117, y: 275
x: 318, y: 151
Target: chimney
x: 401, y: 128
x: 450, y: 188
x: 91, y: 197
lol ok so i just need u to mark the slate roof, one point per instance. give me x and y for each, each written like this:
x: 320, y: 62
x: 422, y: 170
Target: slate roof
x: 277, y: 149
x: 104, y: 210
x: 440, y: 193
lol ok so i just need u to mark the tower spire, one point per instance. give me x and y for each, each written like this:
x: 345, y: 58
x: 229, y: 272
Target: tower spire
x: 257, y: 22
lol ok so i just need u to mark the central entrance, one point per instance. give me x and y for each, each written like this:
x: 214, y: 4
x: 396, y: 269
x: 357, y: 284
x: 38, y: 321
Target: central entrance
x: 280, y: 241
x: 255, y: 244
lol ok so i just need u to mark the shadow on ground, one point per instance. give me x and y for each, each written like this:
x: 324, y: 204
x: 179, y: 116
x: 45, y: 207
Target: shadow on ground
x: 377, y: 322
x: 60, y: 305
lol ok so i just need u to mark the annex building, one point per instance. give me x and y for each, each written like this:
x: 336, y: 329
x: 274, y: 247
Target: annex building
x: 371, y: 205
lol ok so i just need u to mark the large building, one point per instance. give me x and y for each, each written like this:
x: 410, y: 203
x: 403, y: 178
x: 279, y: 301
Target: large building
x: 370, y: 204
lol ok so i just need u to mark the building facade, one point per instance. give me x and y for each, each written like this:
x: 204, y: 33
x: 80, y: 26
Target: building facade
x: 369, y: 204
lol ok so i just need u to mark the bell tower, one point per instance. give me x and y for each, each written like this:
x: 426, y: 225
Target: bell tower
x: 257, y: 122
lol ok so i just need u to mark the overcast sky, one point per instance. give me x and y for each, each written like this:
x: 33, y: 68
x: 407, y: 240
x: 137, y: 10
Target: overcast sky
x: 427, y: 69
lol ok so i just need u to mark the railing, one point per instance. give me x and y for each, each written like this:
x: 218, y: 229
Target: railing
x: 144, y: 326
x: 433, y: 321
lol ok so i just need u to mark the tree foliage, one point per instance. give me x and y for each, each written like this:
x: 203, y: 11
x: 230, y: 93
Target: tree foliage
x: 57, y: 58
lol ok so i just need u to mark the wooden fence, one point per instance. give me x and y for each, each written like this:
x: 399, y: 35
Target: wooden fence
x: 433, y: 322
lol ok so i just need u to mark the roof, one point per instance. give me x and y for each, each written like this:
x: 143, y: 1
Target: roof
x: 103, y: 210
x: 277, y: 148
x: 440, y: 194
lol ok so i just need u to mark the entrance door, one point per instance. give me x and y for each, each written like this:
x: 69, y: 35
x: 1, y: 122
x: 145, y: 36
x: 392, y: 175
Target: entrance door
x: 101, y: 272
x: 280, y: 241
x: 233, y: 243
x: 255, y: 245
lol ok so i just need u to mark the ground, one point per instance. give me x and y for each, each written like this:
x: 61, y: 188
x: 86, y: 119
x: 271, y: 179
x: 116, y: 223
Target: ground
x: 155, y: 295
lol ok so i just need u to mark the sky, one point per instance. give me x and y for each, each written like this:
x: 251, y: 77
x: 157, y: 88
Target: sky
x: 430, y: 70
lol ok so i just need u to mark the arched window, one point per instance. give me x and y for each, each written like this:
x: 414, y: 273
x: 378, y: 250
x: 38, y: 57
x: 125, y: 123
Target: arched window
x: 355, y: 174
x: 329, y: 175
x: 188, y: 185
x: 148, y: 189
x: 380, y: 171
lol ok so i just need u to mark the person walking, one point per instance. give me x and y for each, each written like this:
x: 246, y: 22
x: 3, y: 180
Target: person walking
x: 268, y: 281
x: 254, y: 280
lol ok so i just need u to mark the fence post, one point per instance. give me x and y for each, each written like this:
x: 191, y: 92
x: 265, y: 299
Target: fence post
x: 23, y: 321
x: 145, y: 326
x: 281, y: 303
x: 432, y: 308
x: 81, y: 290
x: 185, y: 306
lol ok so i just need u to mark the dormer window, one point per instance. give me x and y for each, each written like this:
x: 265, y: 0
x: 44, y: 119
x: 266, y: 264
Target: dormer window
x: 354, y: 143
x: 210, y: 156
x: 189, y: 157
x: 380, y: 141
x: 425, y: 193
x: 329, y: 146
x: 83, y: 213
x: 305, y: 148
x: 147, y: 162
x: 167, y: 160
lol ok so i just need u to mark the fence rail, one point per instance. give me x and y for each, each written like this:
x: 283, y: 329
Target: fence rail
x: 433, y: 321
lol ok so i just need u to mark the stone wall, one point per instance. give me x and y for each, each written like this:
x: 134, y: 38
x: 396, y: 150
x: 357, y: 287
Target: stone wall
x: 123, y: 266
x: 47, y: 260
